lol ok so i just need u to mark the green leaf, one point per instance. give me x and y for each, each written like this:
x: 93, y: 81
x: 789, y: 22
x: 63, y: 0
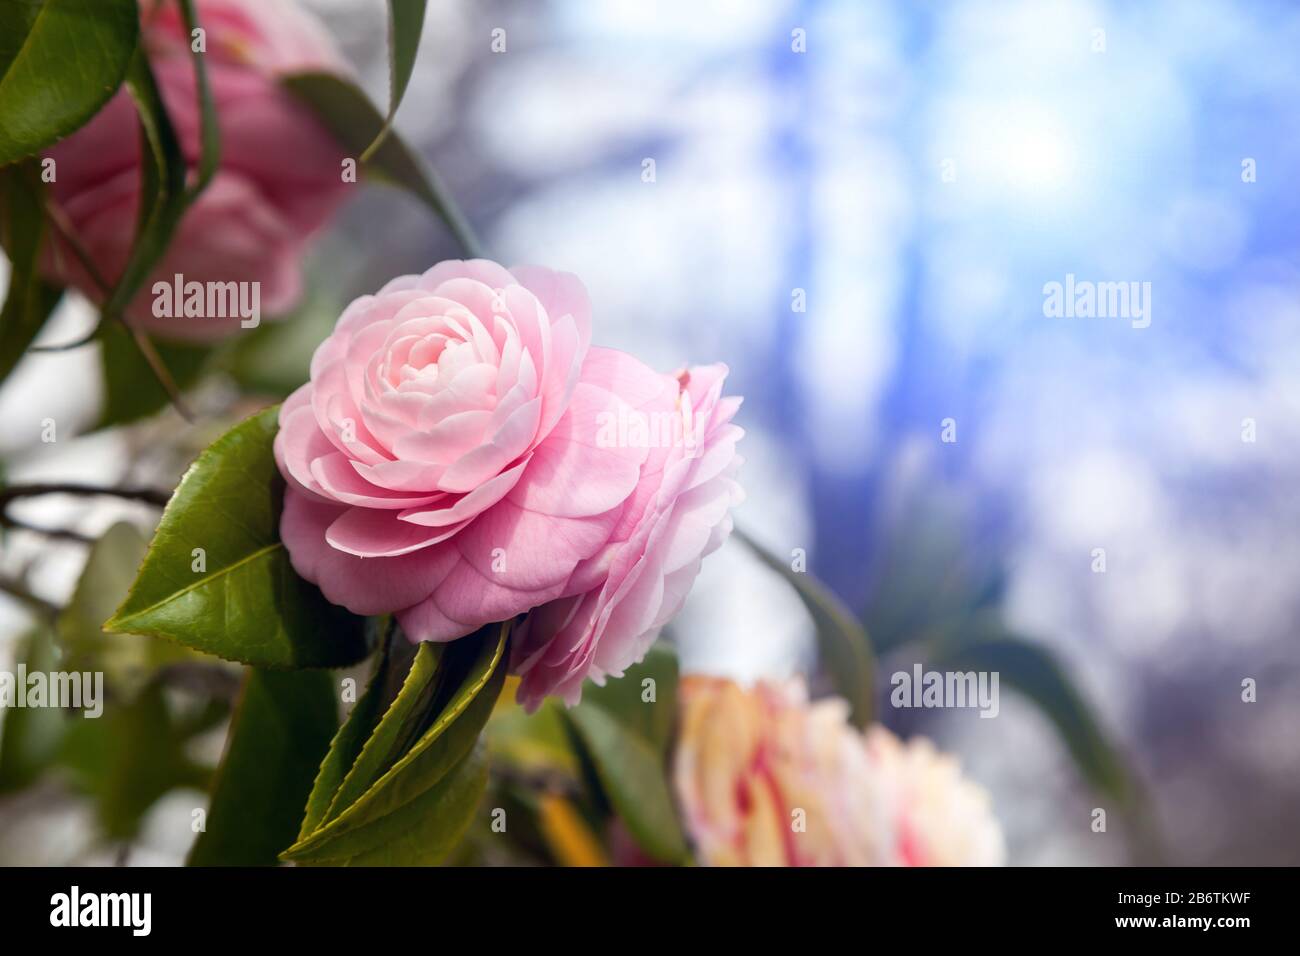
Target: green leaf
x: 356, y: 123
x: 347, y: 744
x: 932, y: 577
x: 432, y: 724
x: 405, y: 21
x: 30, y: 736
x: 281, y: 729
x: 133, y: 387
x: 163, y: 198
x: 425, y: 830
x: 245, y: 603
x: 1035, y: 672
x: 624, y: 697
x: 633, y: 778
x: 382, y: 748
x: 60, y: 61
x: 131, y: 392
x: 29, y: 300
x: 843, y: 643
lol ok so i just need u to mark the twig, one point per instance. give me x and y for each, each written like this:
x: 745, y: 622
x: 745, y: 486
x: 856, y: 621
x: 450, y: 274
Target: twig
x: 159, y: 368
x: 69, y: 346
x: 65, y: 229
x: 13, y: 492
x: 61, y: 534
x: 150, y: 496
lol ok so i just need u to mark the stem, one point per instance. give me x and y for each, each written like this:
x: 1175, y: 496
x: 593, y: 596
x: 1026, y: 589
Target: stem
x: 210, y: 131
x: 159, y: 369
x: 455, y: 219
x: 65, y: 230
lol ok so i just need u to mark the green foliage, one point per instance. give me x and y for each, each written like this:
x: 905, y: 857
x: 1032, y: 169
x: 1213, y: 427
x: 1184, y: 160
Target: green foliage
x: 274, y: 358
x: 425, y: 830
x: 933, y: 583
x: 244, y: 603
x: 127, y: 660
x: 622, y: 737
x: 60, y: 61
x: 355, y: 122
x: 29, y: 299
x: 405, y: 21
x: 347, y: 744
x: 162, y: 186
x: 939, y: 599
x: 129, y: 757
x: 401, y: 782
x: 131, y: 392
x: 537, y: 743
x: 30, y: 736
x: 209, y: 129
x: 164, y: 199
x: 934, y: 596
x: 1032, y: 670
x: 626, y: 697
x: 632, y: 778
x: 845, y: 649
x: 281, y: 729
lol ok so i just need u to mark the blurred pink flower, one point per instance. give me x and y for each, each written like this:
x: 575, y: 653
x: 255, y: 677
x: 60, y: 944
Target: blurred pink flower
x: 461, y: 455
x: 766, y: 778
x: 279, y: 180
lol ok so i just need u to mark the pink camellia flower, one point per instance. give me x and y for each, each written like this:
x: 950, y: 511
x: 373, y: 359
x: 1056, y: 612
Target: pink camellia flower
x: 621, y: 597
x: 279, y: 180
x: 766, y: 778
x: 462, y: 455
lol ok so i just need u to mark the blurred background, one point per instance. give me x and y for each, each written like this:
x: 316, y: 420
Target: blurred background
x: 856, y: 205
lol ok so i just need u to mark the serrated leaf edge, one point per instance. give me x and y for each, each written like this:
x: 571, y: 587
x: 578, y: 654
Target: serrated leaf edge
x: 340, y: 824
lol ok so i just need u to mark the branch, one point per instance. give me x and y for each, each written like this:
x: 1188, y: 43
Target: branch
x: 60, y: 534
x: 150, y: 496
